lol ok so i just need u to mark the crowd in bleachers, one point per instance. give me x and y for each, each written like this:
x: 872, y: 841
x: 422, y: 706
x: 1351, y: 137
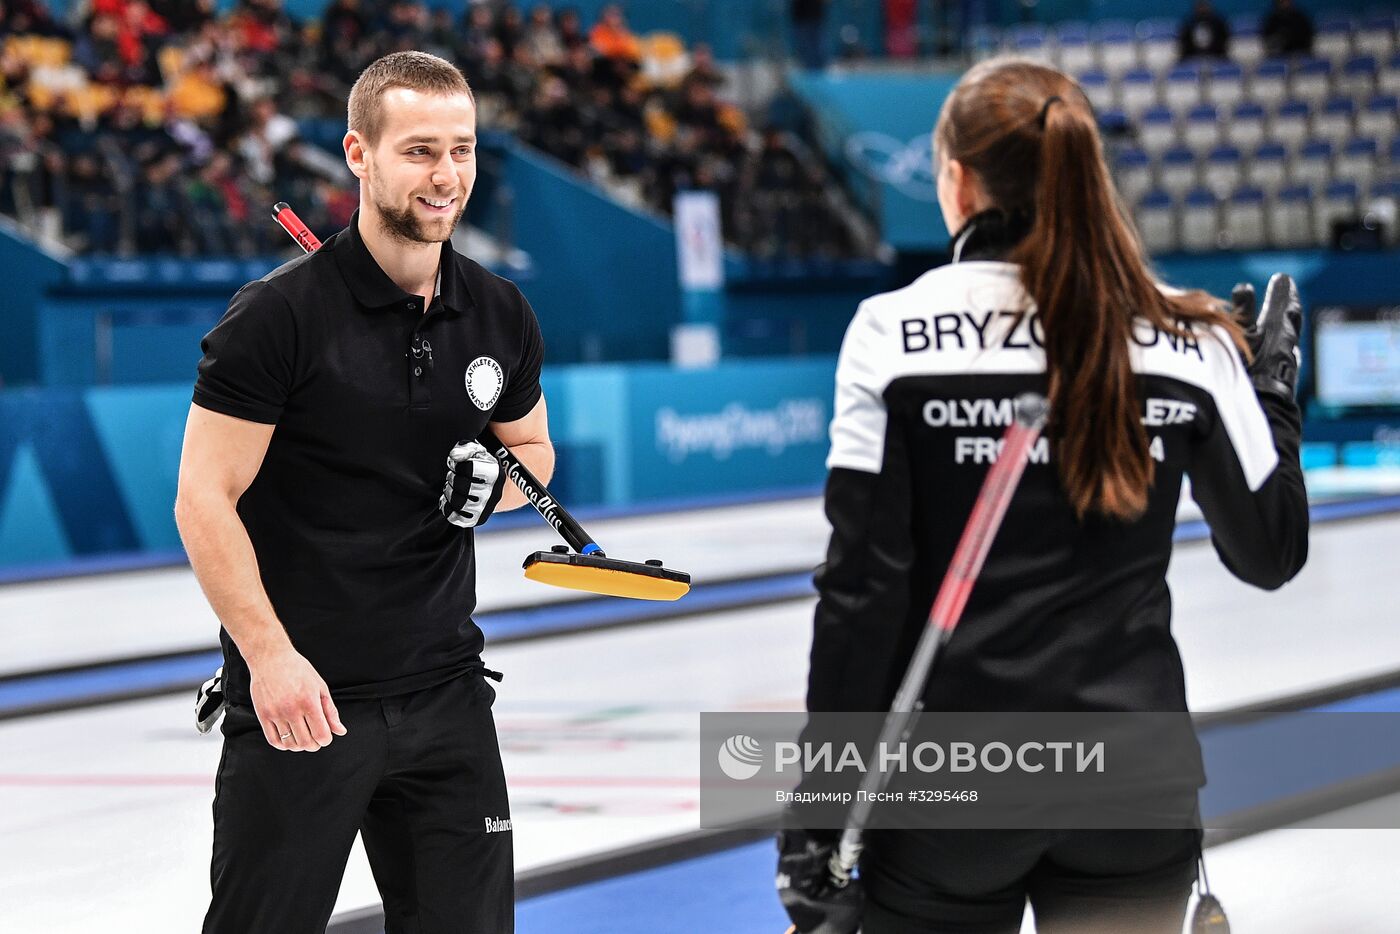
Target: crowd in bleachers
x: 161, y: 126
x: 1266, y: 133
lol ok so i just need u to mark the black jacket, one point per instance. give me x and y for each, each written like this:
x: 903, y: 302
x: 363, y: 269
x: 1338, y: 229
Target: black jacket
x: 1066, y: 615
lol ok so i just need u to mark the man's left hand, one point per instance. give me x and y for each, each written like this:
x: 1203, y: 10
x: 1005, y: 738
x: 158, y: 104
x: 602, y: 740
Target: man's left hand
x: 813, y: 902
x: 475, y: 480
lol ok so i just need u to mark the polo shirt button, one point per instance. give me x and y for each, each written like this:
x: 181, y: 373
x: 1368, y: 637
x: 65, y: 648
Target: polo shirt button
x: 412, y: 306
x: 418, y: 371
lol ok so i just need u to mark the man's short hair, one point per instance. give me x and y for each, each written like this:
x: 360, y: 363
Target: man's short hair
x: 417, y: 71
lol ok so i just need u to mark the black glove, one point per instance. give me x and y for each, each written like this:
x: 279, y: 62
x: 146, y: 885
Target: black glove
x: 475, y: 480
x: 810, y: 898
x: 1273, y: 336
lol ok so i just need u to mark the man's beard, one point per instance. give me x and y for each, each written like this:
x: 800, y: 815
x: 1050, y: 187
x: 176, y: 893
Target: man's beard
x: 404, y: 224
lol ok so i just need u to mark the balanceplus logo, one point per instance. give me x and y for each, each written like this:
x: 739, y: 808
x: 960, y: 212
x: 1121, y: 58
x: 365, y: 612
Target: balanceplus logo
x: 740, y: 757
x: 496, y: 825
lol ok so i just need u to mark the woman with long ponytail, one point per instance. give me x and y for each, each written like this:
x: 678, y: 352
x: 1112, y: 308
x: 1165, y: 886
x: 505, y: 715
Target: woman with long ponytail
x: 1048, y: 291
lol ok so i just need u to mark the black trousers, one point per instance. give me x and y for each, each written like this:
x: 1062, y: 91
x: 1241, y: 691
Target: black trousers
x: 418, y: 775
x: 977, y: 882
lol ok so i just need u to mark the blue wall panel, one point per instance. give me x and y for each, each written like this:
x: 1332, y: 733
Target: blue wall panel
x: 745, y: 426
x: 27, y: 273
x: 605, y: 277
x: 87, y: 473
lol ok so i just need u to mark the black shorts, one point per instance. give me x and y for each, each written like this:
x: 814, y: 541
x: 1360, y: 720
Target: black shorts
x: 418, y: 775
x: 966, y: 881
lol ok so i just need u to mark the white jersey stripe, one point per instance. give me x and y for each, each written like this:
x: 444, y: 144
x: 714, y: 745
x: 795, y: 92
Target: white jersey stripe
x: 973, y: 318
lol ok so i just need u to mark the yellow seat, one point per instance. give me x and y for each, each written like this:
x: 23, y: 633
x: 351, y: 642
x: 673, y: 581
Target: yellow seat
x: 661, y: 125
x: 171, y: 60
x: 54, y: 52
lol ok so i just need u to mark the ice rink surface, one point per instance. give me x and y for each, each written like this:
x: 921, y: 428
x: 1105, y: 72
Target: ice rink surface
x: 105, y: 812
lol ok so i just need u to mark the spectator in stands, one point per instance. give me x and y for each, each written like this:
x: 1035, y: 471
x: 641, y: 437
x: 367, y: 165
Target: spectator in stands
x: 703, y: 67
x: 268, y: 132
x: 479, y: 29
x: 263, y: 25
x: 342, y: 18
x: 542, y: 37
x: 237, y: 88
x: 571, y: 29
x: 808, y: 32
x: 160, y: 207
x: 611, y: 38
x: 28, y: 17
x: 698, y: 108
x: 492, y: 85
x: 407, y: 26
x: 207, y: 199
x: 96, y: 50
x: 552, y: 123
x: 1287, y: 30
x: 1204, y: 34
x: 91, y: 204
x: 510, y: 29
x: 184, y: 16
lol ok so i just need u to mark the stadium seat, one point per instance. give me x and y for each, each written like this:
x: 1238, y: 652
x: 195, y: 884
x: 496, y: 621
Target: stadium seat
x: 1223, y: 171
x: 1099, y: 89
x: 664, y: 59
x: 1177, y: 171
x: 1388, y: 195
x: 1336, y: 120
x: 1113, y: 122
x: 1137, y: 91
x: 1358, y: 76
x: 1338, y: 203
x: 1378, y: 118
x: 1290, y: 124
x: 1182, y: 89
x: 1156, y: 223
x: 1157, y: 130
x: 1395, y: 156
x: 1200, y: 221
x: 1159, y: 44
x: 1073, y: 50
x: 1246, y: 44
x: 1313, y: 164
x: 1268, y: 84
x: 1357, y: 162
x: 1333, y: 39
x: 1133, y: 174
x: 984, y: 42
x: 1226, y: 87
x: 1388, y: 78
x: 1244, y: 219
x: 1246, y: 126
x: 1030, y: 41
x: 1268, y: 167
x: 1376, y: 36
x: 1118, y: 50
x: 1290, y: 218
x: 1202, y: 129
x: 1311, y: 80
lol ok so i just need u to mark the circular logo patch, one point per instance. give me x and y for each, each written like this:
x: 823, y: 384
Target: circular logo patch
x: 484, y: 382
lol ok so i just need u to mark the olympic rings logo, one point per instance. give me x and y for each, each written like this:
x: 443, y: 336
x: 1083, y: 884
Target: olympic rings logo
x: 906, y: 167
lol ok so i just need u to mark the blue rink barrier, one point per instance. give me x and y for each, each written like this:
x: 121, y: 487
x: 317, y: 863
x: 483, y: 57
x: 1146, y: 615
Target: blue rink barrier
x: 87, y: 473
x: 732, y: 890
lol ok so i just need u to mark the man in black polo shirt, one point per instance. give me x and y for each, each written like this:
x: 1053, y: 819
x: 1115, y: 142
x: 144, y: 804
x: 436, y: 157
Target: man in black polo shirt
x: 312, y: 504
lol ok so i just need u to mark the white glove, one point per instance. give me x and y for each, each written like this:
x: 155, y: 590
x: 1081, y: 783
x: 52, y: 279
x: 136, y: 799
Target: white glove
x: 475, y: 480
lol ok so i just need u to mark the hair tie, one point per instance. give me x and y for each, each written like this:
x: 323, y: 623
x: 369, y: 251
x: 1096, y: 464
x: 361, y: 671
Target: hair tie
x: 1045, y: 110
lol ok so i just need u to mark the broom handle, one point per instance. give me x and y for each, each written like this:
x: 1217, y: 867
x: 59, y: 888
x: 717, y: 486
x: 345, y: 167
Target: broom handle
x: 982, y: 526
